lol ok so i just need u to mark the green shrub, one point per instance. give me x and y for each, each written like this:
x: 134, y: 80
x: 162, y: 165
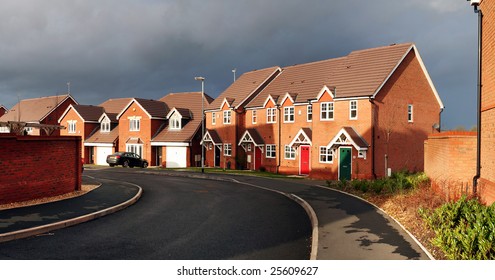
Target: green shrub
x: 464, y: 229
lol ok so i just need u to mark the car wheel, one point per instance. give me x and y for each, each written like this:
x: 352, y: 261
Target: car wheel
x: 125, y: 163
x: 145, y: 164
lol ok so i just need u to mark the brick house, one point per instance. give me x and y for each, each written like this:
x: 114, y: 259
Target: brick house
x: 139, y: 121
x: 177, y: 144
x: 39, y: 111
x: 104, y: 140
x: 349, y: 117
x: 225, y: 117
x: 81, y: 120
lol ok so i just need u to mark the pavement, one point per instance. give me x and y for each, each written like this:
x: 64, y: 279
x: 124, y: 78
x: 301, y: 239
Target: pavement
x: 38, y: 219
x: 344, y: 226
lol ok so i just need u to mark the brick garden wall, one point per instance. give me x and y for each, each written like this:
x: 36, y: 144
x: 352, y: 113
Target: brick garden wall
x: 38, y: 166
x: 450, y: 162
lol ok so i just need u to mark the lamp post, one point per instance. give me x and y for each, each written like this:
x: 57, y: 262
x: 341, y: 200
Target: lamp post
x: 202, y: 79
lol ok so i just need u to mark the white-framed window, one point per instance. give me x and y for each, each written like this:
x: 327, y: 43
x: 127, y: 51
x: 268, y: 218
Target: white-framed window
x: 254, y: 118
x: 326, y: 155
x: 105, y: 125
x: 72, y: 126
x: 271, y: 151
x: 353, y: 109
x: 213, y: 118
x: 134, y: 124
x: 175, y: 122
x: 290, y: 153
x: 227, y: 150
x: 271, y: 115
x: 135, y: 148
x: 249, y: 147
x: 289, y: 114
x: 410, y: 117
x: 227, y: 116
x: 326, y: 111
x: 309, y: 115
x: 4, y: 129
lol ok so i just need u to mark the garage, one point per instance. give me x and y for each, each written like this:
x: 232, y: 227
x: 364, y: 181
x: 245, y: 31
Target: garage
x: 176, y: 157
x: 101, y: 155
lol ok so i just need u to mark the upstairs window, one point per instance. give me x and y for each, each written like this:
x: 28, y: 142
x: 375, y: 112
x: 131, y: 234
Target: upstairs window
x: 213, y: 118
x: 254, y: 118
x: 289, y: 114
x: 134, y: 124
x: 271, y: 115
x: 326, y: 111
x: 227, y: 116
x: 175, y: 122
x: 353, y: 107
x: 105, y: 125
x: 71, y: 126
x: 309, y: 116
x: 410, y: 113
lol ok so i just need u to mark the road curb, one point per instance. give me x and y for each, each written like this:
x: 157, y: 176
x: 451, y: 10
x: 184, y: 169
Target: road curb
x: 4, y: 237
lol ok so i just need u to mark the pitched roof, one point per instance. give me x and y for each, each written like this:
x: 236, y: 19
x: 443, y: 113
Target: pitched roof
x: 35, y: 109
x: 360, y: 74
x: 252, y: 136
x: 347, y: 135
x: 103, y: 137
x: 247, y: 85
x: 115, y: 106
x: 154, y: 108
x: 88, y: 113
x: 189, y: 105
x: 211, y: 135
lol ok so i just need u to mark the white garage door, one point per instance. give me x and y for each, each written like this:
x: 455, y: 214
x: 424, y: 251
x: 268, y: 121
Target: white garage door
x: 176, y: 157
x: 101, y: 155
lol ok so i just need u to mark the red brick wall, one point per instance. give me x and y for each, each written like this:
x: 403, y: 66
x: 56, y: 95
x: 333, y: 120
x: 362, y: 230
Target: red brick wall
x: 488, y: 101
x: 400, y: 140
x: 450, y: 162
x: 36, y: 167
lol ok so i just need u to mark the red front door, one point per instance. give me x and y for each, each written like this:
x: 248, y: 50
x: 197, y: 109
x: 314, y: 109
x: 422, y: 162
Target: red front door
x: 304, y: 160
x: 257, y: 158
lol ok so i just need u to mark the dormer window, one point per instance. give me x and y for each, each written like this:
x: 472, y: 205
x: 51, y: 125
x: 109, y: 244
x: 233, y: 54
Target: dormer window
x: 105, y: 125
x: 175, y: 122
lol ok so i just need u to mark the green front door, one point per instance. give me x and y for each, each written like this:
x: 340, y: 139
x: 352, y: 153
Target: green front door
x: 345, y: 160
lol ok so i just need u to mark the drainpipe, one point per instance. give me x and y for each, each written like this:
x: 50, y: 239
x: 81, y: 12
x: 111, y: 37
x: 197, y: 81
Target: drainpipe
x: 478, y: 129
x: 373, y: 116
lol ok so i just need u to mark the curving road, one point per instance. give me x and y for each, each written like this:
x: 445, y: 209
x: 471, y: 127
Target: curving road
x: 180, y: 218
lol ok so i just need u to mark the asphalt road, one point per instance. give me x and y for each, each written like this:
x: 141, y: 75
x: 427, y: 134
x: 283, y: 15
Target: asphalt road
x: 180, y: 218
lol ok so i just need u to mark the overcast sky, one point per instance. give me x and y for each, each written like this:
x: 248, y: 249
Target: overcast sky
x: 148, y: 48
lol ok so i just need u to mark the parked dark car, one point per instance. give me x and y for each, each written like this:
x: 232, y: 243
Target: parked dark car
x: 126, y: 159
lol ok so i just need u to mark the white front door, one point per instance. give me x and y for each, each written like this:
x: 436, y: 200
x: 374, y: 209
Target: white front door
x: 101, y: 155
x: 176, y: 157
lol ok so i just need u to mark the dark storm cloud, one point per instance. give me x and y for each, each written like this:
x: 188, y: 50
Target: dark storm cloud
x: 149, y: 48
